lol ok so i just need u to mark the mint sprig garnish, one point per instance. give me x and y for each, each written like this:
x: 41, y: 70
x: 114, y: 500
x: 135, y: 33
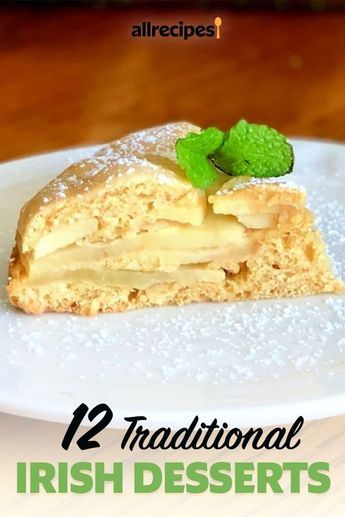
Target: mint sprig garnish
x: 193, y: 152
x: 254, y: 150
x: 246, y: 150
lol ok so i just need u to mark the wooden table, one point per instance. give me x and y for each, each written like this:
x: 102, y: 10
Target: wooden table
x: 76, y: 76
x: 72, y: 77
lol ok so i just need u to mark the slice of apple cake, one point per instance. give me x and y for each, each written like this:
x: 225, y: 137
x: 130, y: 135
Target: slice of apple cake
x: 126, y: 229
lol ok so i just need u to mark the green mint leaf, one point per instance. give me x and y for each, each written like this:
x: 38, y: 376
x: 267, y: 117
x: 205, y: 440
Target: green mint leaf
x: 254, y: 150
x: 193, y: 152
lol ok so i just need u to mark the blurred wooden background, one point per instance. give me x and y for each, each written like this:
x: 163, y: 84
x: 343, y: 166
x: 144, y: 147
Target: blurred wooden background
x: 74, y: 76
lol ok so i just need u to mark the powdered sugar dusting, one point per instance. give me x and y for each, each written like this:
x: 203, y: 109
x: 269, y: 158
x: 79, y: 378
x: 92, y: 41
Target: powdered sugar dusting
x: 202, y: 345
x: 121, y: 158
x: 218, y: 344
x: 258, y: 182
x: 237, y: 184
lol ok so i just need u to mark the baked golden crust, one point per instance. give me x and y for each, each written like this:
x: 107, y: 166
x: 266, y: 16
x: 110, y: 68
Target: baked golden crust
x: 133, y: 188
x: 122, y: 164
x: 268, y: 192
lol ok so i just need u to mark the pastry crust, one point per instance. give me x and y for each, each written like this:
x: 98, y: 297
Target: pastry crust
x: 126, y: 163
x: 133, y: 187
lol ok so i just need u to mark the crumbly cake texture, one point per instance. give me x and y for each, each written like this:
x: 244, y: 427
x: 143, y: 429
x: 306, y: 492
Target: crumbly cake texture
x: 124, y: 229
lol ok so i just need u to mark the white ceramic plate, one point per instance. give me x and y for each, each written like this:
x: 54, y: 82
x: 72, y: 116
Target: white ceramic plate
x: 250, y: 363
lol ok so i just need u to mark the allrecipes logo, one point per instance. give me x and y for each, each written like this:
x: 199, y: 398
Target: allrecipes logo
x: 180, y: 30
